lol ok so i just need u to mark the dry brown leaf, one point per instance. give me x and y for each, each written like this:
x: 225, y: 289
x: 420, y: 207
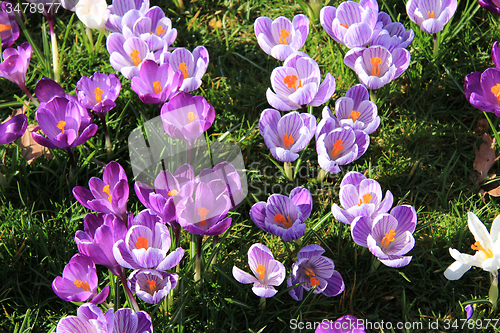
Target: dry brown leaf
x: 30, y: 149
x: 485, y: 157
x: 482, y: 126
x: 215, y: 23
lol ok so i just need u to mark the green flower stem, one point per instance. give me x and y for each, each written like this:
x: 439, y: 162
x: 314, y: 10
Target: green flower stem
x: 197, y: 269
x: 30, y: 96
x: 129, y: 293
x: 262, y: 303
x: 436, y: 45
x: 106, y: 135
x: 493, y: 293
x: 89, y: 36
x: 288, y: 170
x: 321, y: 175
x: 55, y: 51
x: 373, y: 96
x: 374, y: 266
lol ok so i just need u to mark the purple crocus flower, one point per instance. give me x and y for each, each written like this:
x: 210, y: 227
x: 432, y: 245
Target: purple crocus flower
x: 490, y: 5
x: 156, y: 84
x: 9, y: 29
x: 146, y: 245
x: 79, y: 281
x: 98, y: 92
x: 297, y: 84
x: 126, y: 55
x: 109, y: 195
x: 393, y: 34
x: 15, y: 64
x: 119, y: 8
x: 352, y: 24
x: 431, y: 15
x: 187, y: 117
x: 469, y: 311
x: 388, y: 236
x: 314, y: 270
x: 267, y: 272
x: 97, y: 238
x: 284, y: 216
x: 152, y: 285
x: 230, y: 176
x: 360, y: 196
x: 13, y: 129
x: 192, y: 65
x: 286, y: 136
x: 376, y: 65
x: 280, y: 38
x: 340, y: 146
x: 345, y: 324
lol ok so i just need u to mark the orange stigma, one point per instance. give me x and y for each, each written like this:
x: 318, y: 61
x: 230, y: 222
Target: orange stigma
x: 261, y: 269
x: 388, y: 238
x: 314, y: 281
x: 191, y: 117
x: 283, y: 34
x: 105, y: 189
x: 431, y: 14
x: 152, y: 285
x: 287, y: 222
x: 354, y: 115
x: 288, y: 138
x: 61, y: 125
x: 184, y: 70
x: 157, y: 87
x: 496, y: 91
x: 82, y: 284
x: 159, y: 31
x: 135, y: 57
x: 291, y: 82
x: 337, y: 148
x: 366, y: 199
x: 142, y: 243
x: 345, y: 25
x: 478, y: 247
x: 376, y: 62
x: 98, y: 94
x: 5, y: 27
x: 202, y: 211
x: 173, y: 192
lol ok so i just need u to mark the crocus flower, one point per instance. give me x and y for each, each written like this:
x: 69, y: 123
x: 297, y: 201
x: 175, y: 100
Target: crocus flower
x: 230, y: 176
x: 98, y: 92
x: 146, y: 245
x: 490, y: 5
x: 388, y: 236
x: 345, y: 324
x: 286, y: 136
x: 280, y: 38
x: 109, y: 195
x: 376, y: 65
x: 152, y: 285
x: 13, y: 129
x: 297, y: 84
x: 312, y: 269
x: 92, y: 13
x: 469, y: 311
x: 360, y: 196
x: 119, y: 8
x: 15, y: 64
x: 79, y: 281
x: 192, y: 65
x: 126, y: 55
x: 351, y: 24
x: 187, y: 117
x: 431, y: 15
x: 341, y: 146
x: 9, y: 29
x: 392, y: 35
x: 267, y: 272
x: 284, y: 216
x: 156, y: 84
x: 487, y: 247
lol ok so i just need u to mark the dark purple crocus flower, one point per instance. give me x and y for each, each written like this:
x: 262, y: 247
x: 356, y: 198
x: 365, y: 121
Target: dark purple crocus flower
x: 156, y: 84
x: 98, y: 236
x: 109, y: 195
x: 490, y: 5
x: 286, y: 136
x: 280, y: 38
x: 297, y: 84
x: 79, y: 281
x: 186, y: 117
x: 345, y: 324
x: 360, y: 196
x: 13, y: 129
x: 315, y: 270
x: 469, y: 311
x: 284, y: 216
x: 146, y: 245
x: 15, y: 64
x: 126, y: 55
x: 9, y: 28
x: 119, y: 8
x: 388, y: 236
x: 152, y: 285
x: 98, y: 92
x: 267, y: 272
x: 431, y: 15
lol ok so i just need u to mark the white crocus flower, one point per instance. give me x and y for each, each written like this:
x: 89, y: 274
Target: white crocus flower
x: 487, y: 248
x: 92, y: 13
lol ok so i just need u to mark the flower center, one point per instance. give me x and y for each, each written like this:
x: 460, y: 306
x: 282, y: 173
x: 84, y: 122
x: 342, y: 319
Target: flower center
x: 98, y: 94
x: 184, y: 70
x: 202, y: 211
x: 345, y: 25
x: 82, y: 284
x: 496, y: 91
x: 366, y: 199
x: 159, y: 31
x: 291, y: 82
x: 191, y: 117
x: 388, y: 238
x: 173, y: 192
x: 354, y: 115
x: 142, y: 243
x: 431, y: 14
x: 376, y: 62
x: 152, y: 285
x: 61, y: 125
x: 314, y: 281
x: 157, y: 87
x: 283, y: 35
x: 312, y: 277
x: 5, y: 27
x: 105, y: 189
x: 135, y: 57
x: 279, y: 218
x: 261, y: 269
x: 337, y: 148
x: 478, y: 247
x: 288, y: 138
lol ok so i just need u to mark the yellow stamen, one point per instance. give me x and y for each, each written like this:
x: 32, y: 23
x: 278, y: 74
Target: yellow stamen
x: 388, y: 238
x: 61, y: 125
x: 159, y: 31
x: 142, y: 243
x: 314, y: 281
x: 288, y: 138
x: 5, y: 27
x: 478, y: 247
x: 354, y: 115
x: 157, y: 87
x: 135, y: 57
x: 98, y: 94
x: 191, y: 117
x: 345, y: 25
x: 366, y: 199
x: 184, y: 70
x: 171, y: 193
x: 202, y: 211
x: 82, y: 284
x: 291, y: 82
x: 152, y: 285
x: 283, y: 34
x: 337, y: 148
x: 376, y: 62
x: 287, y: 222
x: 105, y: 189
x: 496, y: 91
x: 261, y: 269
x: 431, y: 14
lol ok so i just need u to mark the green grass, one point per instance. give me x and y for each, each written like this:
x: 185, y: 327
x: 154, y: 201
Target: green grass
x: 423, y: 153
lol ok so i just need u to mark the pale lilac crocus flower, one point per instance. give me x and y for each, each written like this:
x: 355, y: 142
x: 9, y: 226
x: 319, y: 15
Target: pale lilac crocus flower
x: 267, y: 272
x: 119, y: 8
x: 360, y: 196
x: 296, y: 84
x: 151, y: 285
x: 344, y: 324
x: 392, y: 34
x: 280, y: 38
x: 13, y: 129
x: 126, y: 55
x: 431, y: 15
